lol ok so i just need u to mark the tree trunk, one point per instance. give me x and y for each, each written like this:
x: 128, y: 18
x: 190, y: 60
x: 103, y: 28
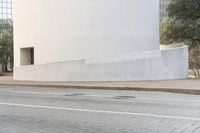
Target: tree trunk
x: 198, y: 72
x: 6, y: 68
x: 194, y: 73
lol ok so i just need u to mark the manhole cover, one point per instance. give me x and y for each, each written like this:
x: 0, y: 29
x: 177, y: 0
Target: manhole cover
x: 74, y: 94
x: 124, y: 97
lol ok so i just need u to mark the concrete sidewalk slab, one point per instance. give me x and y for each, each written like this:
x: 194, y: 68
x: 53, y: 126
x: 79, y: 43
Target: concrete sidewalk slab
x: 188, y: 86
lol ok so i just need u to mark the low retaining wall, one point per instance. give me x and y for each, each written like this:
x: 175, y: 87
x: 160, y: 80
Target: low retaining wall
x: 175, y: 61
x: 171, y: 63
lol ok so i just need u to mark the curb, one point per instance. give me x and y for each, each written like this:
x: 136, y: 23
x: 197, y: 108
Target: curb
x: 175, y: 90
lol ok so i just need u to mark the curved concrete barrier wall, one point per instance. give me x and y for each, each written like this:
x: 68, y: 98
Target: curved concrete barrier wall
x: 166, y: 64
x: 175, y: 60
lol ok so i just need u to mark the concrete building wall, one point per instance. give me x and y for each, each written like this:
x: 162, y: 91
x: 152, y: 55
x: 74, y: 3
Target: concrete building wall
x: 64, y: 30
x: 175, y: 61
x: 92, y: 40
x: 167, y: 64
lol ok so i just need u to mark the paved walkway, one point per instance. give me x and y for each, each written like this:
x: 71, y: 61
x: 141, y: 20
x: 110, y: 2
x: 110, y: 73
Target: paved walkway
x: 189, y: 86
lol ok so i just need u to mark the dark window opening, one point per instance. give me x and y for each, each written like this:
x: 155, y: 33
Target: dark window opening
x: 27, y: 56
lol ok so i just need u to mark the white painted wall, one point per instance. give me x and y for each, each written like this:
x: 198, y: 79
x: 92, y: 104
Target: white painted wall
x: 175, y: 61
x: 93, y: 40
x: 169, y: 64
x: 64, y: 30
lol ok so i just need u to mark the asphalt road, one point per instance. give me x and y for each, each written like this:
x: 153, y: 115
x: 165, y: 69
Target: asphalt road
x: 53, y: 110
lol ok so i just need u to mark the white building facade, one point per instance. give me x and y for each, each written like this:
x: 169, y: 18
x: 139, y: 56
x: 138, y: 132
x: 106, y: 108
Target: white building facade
x: 92, y: 40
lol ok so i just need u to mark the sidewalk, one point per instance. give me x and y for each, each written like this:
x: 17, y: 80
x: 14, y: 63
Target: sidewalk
x: 188, y: 86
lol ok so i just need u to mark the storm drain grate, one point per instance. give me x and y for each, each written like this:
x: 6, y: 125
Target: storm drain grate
x: 124, y: 97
